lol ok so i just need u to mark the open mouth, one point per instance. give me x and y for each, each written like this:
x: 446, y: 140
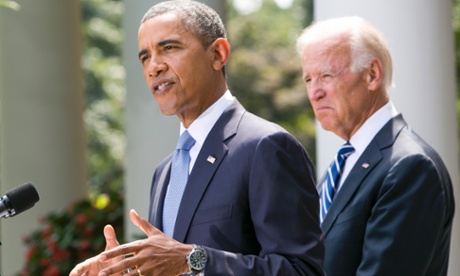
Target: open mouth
x: 161, y: 86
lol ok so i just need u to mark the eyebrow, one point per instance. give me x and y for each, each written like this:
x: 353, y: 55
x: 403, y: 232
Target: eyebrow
x: 168, y: 41
x: 160, y: 44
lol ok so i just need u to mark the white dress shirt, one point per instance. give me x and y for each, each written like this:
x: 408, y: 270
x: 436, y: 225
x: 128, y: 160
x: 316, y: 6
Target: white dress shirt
x: 200, y: 128
x: 362, y: 138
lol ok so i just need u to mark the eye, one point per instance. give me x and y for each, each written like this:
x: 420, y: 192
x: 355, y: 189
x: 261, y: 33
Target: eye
x: 143, y: 58
x: 326, y: 78
x: 168, y: 48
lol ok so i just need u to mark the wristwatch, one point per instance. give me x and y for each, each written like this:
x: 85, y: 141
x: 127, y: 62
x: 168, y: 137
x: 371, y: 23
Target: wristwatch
x: 196, y: 260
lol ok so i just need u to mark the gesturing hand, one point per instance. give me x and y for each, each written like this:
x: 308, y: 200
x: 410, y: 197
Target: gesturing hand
x: 158, y: 254
x: 93, y: 265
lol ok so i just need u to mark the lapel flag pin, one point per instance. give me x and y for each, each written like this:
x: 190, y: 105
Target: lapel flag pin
x: 365, y: 165
x: 211, y: 159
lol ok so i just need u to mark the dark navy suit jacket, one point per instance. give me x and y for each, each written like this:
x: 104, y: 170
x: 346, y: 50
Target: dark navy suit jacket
x: 393, y: 213
x: 255, y: 208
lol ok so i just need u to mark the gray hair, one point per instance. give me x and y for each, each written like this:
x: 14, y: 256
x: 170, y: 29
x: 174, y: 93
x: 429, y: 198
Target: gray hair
x: 197, y: 18
x: 365, y: 42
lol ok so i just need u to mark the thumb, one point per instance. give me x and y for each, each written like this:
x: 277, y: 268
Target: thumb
x: 110, y: 237
x: 144, y: 225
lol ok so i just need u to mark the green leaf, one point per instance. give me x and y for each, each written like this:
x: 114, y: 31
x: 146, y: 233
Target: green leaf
x: 10, y: 4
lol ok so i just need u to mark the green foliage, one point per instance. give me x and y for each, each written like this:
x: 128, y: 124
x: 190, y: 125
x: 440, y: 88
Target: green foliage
x: 71, y: 236
x: 264, y: 69
x: 10, y: 4
x: 105, y: 92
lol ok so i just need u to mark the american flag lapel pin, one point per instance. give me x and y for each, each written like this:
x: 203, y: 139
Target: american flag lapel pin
x: 365, y: 165
x: 211, y: 159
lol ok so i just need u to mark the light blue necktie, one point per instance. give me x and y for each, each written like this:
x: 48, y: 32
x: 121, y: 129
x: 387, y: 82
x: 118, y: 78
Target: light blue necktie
x: 332, y: 178
x: 178, y: 179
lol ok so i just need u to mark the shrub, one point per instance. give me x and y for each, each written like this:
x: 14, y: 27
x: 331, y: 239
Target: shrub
x: 70, y: 236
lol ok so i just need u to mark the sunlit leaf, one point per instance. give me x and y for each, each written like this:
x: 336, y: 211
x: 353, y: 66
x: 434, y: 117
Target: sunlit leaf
x: 10, y: 4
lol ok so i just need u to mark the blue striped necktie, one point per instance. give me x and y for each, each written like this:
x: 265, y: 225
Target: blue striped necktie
x: 332, y: 178
x: 177, y: 182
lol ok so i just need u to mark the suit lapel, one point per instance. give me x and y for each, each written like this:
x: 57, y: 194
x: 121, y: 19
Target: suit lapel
x: 370, y: 158
x: 363, y: 166
x: 208, y: 161
x: 156, y: 215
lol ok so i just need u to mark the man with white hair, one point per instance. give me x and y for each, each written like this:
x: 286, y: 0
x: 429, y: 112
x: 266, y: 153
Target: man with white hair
x: 386, y: 202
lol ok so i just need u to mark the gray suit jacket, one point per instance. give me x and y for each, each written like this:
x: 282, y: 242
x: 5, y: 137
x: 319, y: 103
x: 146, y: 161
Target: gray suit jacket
x: 393, y: 214
x: 255, y: 208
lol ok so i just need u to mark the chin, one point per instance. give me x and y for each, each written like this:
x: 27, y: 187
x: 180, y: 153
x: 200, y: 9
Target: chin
x: 328, y: 126
x: 167, y: 111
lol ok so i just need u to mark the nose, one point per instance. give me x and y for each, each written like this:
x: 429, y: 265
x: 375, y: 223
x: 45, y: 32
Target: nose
x: 156, y: 66
x: 315, y: 90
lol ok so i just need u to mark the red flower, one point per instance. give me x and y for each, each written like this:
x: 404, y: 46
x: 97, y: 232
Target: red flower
x: 61, y: 255
x: 30, y: 252
x: 81, y: 219
x: 46, y: 232
x: 45, y: 262
x: 52, y: 245
x: 87, y: 232
x: 51, y: 271
x: 84, y: 244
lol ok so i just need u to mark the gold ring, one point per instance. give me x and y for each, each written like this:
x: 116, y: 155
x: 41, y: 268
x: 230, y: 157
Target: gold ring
x: 139, y: 272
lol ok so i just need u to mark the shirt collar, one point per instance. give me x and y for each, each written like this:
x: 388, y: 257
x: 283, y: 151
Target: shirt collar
x: 202, y: 125
x: 362, y: 138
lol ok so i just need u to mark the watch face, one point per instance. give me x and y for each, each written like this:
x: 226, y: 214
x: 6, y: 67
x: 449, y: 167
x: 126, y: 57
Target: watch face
x: 198, y: 260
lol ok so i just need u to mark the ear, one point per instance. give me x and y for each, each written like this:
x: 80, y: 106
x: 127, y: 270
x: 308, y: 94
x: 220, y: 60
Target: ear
x: 220, y: 51
x: 374, y: 76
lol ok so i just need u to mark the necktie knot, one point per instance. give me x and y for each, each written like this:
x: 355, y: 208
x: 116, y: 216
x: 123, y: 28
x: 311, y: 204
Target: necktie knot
x: 345, y: 151
x: 185, y: 141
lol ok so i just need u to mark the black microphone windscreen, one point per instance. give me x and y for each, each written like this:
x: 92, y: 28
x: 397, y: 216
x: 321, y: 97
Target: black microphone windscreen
x: 23, y: 197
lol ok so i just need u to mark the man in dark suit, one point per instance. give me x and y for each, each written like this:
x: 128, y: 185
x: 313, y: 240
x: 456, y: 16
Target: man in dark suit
x: 250, y: 205
x: 392, y: 207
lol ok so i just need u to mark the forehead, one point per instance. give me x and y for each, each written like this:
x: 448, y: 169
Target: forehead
x: 330, y: 53
x: 161, y: 27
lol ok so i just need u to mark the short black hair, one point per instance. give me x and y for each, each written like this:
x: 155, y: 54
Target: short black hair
x: 197, y: 18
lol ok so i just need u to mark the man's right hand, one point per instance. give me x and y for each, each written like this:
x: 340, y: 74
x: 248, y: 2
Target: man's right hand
x: 92, y: 266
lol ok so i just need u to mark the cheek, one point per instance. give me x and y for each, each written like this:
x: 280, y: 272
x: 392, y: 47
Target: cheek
x: 146, y: 76
x: 309, y: 94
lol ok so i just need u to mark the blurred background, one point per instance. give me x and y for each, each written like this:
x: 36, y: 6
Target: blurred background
x: 77, y: 120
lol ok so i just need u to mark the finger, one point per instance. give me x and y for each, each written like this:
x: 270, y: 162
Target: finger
x: 119, y: 251
x: 124, y: 266
x: 81, y: 268
x: 144, y: 225
x: 75, y: 271
x: 110, y: 237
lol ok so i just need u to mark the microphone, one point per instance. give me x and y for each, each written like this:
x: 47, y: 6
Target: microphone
x: 17, y: 200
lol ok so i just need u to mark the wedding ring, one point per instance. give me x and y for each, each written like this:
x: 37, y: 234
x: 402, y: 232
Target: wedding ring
x: 139, y: 272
